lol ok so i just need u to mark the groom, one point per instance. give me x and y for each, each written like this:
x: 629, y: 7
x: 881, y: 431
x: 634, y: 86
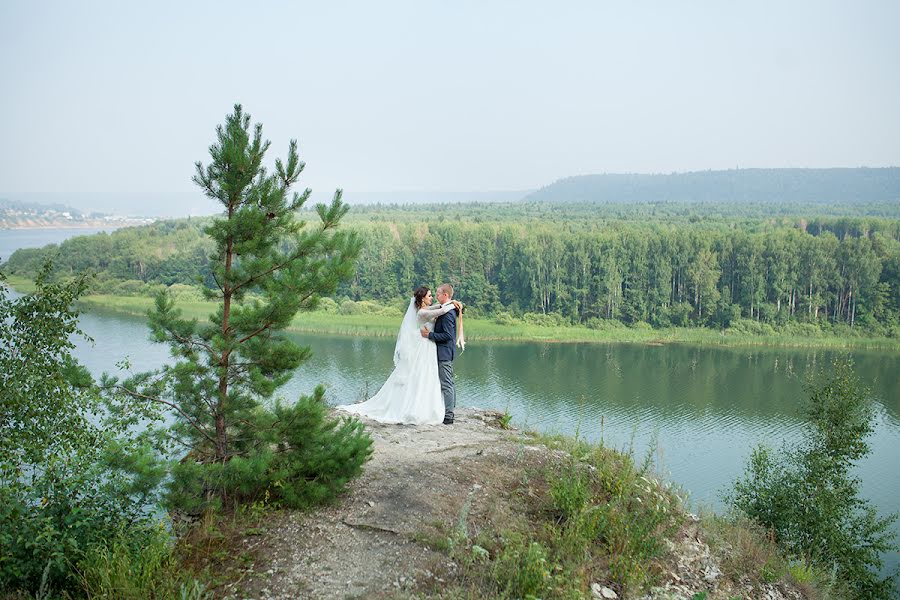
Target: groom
x: 444, y: 336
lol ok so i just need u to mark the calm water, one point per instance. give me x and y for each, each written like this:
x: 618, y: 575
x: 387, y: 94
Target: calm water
x: 13, y: 239
x: 704, y: 409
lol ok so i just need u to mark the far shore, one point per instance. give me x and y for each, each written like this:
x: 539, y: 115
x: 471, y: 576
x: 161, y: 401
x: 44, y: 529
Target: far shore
x: 374, y: 325
x: 100, y: 224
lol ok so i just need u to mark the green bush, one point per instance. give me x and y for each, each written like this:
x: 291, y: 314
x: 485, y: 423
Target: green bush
x: 805, y: 330
x: 295, y: 455
x: 327, y: 305
x: 604, y: 324
x: 807, y: 496
x: 129, y: 287
x: 368, y: 307
x: 679, y: 314
x: 526, y: 569
x: 750, y: 327
x: 63, y: 492
x: 505, y: 318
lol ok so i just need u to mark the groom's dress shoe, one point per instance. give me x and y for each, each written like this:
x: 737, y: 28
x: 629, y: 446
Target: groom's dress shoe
x: 448, y: 421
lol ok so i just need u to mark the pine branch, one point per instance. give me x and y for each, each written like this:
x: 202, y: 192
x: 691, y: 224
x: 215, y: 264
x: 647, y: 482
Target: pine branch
x: 187, y: 418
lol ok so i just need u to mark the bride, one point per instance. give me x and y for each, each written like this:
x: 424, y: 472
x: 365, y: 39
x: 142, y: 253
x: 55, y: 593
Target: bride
x: 412, y: 392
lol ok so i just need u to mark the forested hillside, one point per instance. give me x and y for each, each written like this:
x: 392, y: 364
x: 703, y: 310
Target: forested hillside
x: 576, y: 264
x: 771, y: 186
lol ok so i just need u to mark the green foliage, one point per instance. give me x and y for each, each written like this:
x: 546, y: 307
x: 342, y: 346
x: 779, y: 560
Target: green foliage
x: 631, y: 263
x: 747, y: 552
x: 267, y: 266
x: 125, y: 568
x: 63, y: 491
x: 616, y: 508
x: 597, y: 516
x: 299, y: 457
x: 807, y: 496
x: 526, y: 569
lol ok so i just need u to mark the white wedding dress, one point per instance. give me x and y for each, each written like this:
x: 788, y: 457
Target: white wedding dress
x: 412, y: 392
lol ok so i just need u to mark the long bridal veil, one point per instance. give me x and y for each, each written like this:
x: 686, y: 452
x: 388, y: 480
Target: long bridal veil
x: 406, y: 338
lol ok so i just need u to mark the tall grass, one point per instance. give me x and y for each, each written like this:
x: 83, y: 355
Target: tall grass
x: 122, y: 570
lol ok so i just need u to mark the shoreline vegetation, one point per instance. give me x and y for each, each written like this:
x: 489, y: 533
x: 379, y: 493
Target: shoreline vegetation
x: 384, y: 324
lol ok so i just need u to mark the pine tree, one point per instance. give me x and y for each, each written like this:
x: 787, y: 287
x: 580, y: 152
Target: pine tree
x: 267, y: 266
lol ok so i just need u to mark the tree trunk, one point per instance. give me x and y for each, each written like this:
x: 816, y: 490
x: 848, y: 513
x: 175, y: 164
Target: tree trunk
x: 221, y: 433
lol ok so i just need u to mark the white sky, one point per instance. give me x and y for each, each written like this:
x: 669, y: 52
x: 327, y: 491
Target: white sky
x: 123, y: 97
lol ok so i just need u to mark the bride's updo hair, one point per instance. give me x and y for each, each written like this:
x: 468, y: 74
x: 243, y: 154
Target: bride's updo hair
x: 420, y: 294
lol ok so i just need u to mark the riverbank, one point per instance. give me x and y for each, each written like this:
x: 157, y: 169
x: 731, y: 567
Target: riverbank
x: 475, y: 510
x: 385, y: 325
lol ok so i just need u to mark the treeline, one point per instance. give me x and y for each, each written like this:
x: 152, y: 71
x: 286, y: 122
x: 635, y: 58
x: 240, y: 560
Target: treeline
x: 657, y: 274
x: 164, y: 252
x: 772, y: 186
x: 830, y: 272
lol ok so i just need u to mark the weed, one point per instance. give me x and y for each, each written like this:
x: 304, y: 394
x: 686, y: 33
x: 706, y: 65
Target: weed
x: 120, y: 570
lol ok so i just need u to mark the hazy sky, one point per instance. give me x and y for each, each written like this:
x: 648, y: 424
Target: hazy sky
x: 123, y: 97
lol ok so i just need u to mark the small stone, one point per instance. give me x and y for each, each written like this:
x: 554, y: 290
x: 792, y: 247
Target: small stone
x: 601, y: 591
x: 370, y: 503
x: 711, y: 573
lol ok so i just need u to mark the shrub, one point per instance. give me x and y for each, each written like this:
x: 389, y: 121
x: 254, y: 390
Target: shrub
x: 680, y: 314
x: 296, y: 455
x: 75, y: 499
x: 807, y: 496
x: 806, y: 330
x: 504, y: 318
x: 129, y: 287
x: 617, y: 509
x: 604, y: 324
x: 349, y: 307
x: 327, y: 305
x: 750, y: 327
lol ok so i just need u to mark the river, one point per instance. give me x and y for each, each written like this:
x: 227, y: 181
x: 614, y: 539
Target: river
x: 700, y: 410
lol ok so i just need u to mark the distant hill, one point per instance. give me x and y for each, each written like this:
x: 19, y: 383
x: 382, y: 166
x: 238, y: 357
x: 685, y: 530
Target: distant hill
x: 826, y: 186
x: 16, y: 214
x: 7, y: 205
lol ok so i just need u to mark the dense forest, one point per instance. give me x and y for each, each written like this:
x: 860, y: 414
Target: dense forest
x: 683, y: 264
x: 772, y: 186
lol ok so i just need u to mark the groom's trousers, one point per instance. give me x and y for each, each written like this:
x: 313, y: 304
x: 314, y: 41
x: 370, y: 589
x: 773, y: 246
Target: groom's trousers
x: 448, y: 390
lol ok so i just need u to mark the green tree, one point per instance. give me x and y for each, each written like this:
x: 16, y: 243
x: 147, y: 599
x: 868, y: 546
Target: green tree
x: 63, y: 494
x: 808, y: 497
x: 267, y: 266
x: 703, y: 273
